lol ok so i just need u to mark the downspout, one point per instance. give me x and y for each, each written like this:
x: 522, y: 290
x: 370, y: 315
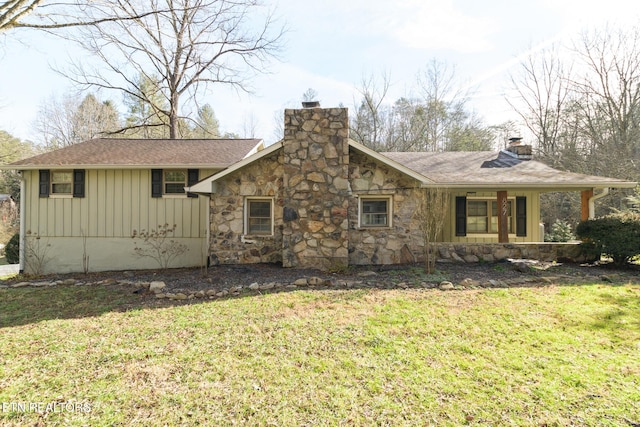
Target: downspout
x: 23, y: 225
x: 592, y: 205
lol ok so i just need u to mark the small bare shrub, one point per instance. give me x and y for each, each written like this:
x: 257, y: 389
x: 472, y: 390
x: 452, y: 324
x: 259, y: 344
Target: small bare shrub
x: 158, y: 245
x: 36, y: 253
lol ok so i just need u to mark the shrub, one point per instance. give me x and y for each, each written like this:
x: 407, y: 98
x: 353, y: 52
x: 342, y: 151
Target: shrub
x: 616, y: 235
x: 12, y: 250
x: 560, y: 232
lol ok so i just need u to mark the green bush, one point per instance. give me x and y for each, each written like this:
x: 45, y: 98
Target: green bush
x: 560, y: 232
x: 12, y: 250
x: 617, y: 235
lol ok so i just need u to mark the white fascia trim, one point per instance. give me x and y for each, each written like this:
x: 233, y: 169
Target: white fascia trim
x: 391, y: 163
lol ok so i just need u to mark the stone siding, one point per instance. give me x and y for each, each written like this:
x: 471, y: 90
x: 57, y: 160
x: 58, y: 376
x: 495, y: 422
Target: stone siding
x: 228, y: 242
x: 492, y: 252
x: 398, y: 244
x: 315, y: 188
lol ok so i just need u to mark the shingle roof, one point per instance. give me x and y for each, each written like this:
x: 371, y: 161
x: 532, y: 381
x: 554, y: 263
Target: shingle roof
x: 496, y: 169
x: 109, y: 153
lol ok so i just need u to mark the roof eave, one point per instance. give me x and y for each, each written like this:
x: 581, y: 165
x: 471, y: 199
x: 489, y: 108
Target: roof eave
x: 218, y: 166
x: 205, y: 187
x: 391, y: 163
x: 533, y: 185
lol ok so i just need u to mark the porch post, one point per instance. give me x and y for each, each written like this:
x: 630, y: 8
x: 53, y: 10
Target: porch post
x: 503, y: 219
x: 586, y: 195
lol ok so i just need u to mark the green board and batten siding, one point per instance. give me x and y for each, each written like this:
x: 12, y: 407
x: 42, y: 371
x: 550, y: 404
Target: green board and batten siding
x: 116, y: 202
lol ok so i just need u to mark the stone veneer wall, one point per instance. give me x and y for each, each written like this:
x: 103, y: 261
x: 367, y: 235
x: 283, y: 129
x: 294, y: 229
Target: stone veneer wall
x: 401, y: 243
x: 315, y: 188
x: 491, y: 252
x: 228, y: 244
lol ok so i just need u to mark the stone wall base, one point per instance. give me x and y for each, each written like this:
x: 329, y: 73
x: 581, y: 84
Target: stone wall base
x: 492, y: 252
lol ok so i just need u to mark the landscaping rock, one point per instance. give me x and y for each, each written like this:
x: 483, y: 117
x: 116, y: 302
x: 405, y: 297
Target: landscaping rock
x: 20, y: 285
x: 521, y: 266
x: 301, y: 282
x: 456, y: 258
x: 446, y: 286
x: 69, y: 282
x: 367, y: 274
x: 468, y: 283
x: 403, y: 285
x: 254, y: 286
x: 470, y: 258
x: 180, y: 296
x: 157, y: 286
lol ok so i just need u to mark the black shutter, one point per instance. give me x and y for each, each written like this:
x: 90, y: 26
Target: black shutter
x: 78, y: 183
x: 521, y: 216
x: 193, y: 176
x: 156, y: 182
x: 461, y: 216
x: 44, y: 182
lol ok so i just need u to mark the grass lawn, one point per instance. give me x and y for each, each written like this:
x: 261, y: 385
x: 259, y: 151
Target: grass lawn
x: 542, y: 356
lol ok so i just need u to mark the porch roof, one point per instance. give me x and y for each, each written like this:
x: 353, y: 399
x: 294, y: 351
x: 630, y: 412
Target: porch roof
x: 489, y: 169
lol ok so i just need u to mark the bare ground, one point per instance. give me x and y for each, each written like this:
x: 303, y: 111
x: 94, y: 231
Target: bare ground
x: 501, y: 274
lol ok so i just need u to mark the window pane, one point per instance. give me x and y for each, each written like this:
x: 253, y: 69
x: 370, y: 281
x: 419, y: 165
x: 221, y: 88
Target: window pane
x: 477, y: 224
x: 259, y: 217
x: 64, y: 188
x: 259, y: 209
x: 174, y: 188
x: 374, y: 206
x: 375, y: 212
x: 61, y: 177
x: 175, y: 176
x: 476, y: 208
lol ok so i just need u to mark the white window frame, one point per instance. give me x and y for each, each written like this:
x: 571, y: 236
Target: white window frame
x: 489, y: 201
x: 165, y: 182
x: 247, y: 202
x: 361, y: 214
x: 51, y: 184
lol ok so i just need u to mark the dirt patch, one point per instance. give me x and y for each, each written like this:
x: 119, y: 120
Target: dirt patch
x: 511, y: 273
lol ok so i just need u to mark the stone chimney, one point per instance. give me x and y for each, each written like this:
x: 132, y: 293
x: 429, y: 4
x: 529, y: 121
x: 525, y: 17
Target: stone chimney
x: 315, y: 188
x: 519, y: 150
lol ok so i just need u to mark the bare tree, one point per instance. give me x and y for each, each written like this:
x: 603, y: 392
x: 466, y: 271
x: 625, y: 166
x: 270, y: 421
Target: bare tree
x: 368, y: 126
x: 51, y: 14
x: 73, y: 119
x: 433, y: 117
x: 189, y: 46
x: 432, y: 207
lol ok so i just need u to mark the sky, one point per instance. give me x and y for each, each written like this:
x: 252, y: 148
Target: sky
x: 331, y: 46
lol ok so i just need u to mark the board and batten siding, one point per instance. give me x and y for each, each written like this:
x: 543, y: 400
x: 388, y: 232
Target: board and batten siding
x: 532, y: 220
x: 116, y: 202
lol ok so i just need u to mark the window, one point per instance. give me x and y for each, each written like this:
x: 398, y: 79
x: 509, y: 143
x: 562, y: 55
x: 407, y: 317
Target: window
x: 174, y: 181
x: 375, y: 212
x: 62, y: 182
x: 259, y: 216
x: 477, y: 216
x: 482, y: 216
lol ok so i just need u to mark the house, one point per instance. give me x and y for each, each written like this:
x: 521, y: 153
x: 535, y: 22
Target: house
x: 314, y: 199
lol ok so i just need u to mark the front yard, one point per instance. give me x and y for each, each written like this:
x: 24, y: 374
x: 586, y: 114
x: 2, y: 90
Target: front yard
x: 528, y: 356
